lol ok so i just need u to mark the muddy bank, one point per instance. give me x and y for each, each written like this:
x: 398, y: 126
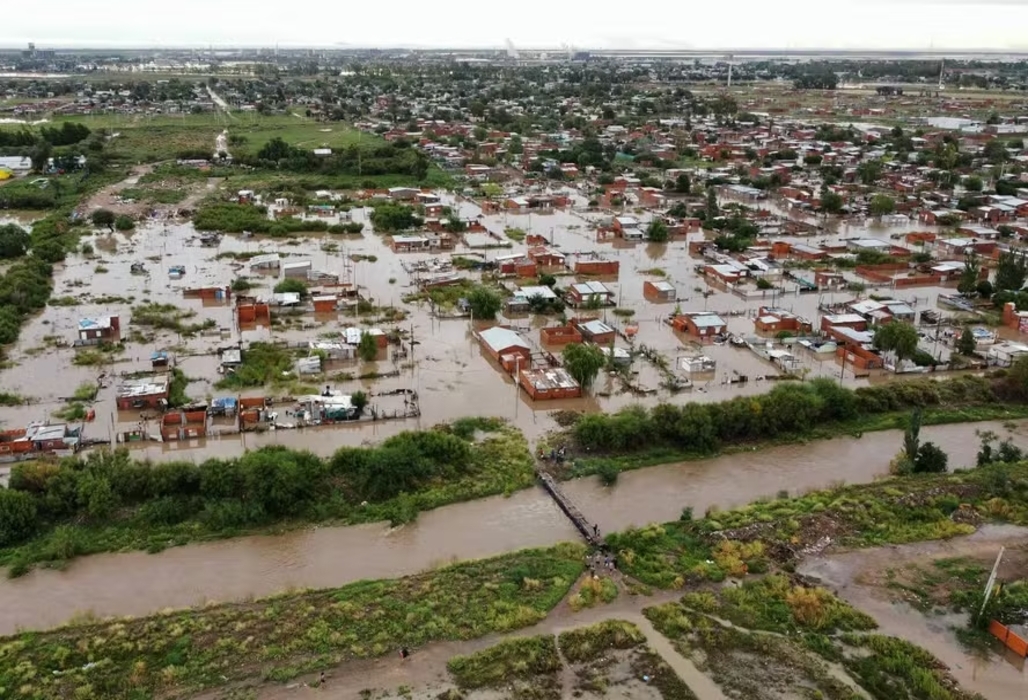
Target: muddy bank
x: 995, y: 677
x: 136, y: 583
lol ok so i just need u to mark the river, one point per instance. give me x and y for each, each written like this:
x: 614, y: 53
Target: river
x: 136, y: 583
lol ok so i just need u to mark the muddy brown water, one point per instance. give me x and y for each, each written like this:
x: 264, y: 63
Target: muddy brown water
x: 995, y: 675
x: 136, y: 583
x: 451, y: 374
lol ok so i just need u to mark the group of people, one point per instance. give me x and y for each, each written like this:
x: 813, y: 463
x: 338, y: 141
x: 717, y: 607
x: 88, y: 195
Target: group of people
x: 601, y: 560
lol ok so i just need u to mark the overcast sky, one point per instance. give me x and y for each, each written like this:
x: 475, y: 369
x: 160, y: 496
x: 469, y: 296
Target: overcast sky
x: 901, y: 24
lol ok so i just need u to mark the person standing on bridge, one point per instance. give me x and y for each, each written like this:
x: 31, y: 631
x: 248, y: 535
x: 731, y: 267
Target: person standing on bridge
x: 596, y: 530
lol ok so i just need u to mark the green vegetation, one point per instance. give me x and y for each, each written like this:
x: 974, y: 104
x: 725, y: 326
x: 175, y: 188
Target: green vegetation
x: 170, y: 318
x: 583, y: 362
x: 526, y: 659
x: 279, y: 638
x: 85, y: 392
x: 292, y: 286
x: 750, y: 539
x: 9, y: 399
x: 485, y: 303
x: 388, y: 217
x: 232, y: 217
x: 635, y: 437
x: 588, y: 643
x: 367, y: 348
x: 107, y: 502
x: 592, y: 592
x: 515, y: 234
x: 263, y: 363
x: 795, y: 630
x: 14, y: 241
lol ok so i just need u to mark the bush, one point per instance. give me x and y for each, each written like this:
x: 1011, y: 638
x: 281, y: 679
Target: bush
x: 124, y: 223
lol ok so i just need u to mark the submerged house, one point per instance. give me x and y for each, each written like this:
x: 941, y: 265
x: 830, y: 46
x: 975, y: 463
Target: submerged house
x: 93, y: 331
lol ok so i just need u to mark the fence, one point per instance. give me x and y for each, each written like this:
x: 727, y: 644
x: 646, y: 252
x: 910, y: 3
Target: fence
x: 1011, y: 639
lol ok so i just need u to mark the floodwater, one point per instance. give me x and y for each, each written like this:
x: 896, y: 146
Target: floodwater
x: 995, y: 676
x: 447, y: 368
x: 136, y: 583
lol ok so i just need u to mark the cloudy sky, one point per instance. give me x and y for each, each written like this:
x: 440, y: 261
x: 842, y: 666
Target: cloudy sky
x: 901, y: 24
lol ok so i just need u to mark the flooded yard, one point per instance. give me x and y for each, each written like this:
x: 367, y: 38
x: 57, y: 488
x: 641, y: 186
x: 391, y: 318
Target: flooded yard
x: 451, y: 374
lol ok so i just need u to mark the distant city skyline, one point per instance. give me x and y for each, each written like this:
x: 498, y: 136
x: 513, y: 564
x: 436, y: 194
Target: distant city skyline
x: 530, y: 24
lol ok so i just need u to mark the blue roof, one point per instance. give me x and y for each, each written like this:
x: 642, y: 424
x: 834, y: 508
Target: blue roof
x: 159, y: 355
x: 224, y: 402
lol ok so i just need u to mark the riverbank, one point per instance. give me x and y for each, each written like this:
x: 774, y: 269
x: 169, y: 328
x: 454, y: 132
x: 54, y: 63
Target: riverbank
x: 108, y: 503
x: 284, y: 636
x: 606, y: 444
x: 135, y: 583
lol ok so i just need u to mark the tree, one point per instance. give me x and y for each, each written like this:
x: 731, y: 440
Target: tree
x: 904, y: 462
x: 882, y: 204
x: 995, y: 151
x: 17, y: 516
x: 657, y: 231
x: 930, y: 459
x: 897, y: 337
x: 484, y: 303
x: 683, y: 184
x: 359, y: 400
x: 712, y: 208
x: 103, y: 217
x: 124, y: 223
x: 869, y: 171
x: 1011, y: 271
x: 291, y: 286
x: 967, y: 344
x: 14, y: 241
x: 973, y: 183
x: 49, y: 251
x: 583, y: 362
x: 367, y: 348
x: 969, y: 277
x: 831, y: 203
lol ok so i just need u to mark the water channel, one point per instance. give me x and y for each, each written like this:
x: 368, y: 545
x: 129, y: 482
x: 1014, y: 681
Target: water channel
x: 136, y: 583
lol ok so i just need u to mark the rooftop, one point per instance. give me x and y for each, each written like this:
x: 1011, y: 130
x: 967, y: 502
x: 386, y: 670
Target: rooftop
x: 549, y: 379
x: 499, y: 339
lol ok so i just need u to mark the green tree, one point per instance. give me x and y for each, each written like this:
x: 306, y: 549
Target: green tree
x: 49, y: 251
x: 103, y: 218
x: 484, y: 302
x: 831, y: 203
x: 897, y: 337
x: 657, y: 231
x: 882, y: 204
x: 360, y: 401
x: 966, y: 345
x: 291, y: 286
x: 930, y: 459
x: 683, y: 184
x: 17, y: 516
x: 973, y: 183
x: 996, y: 151
x: 124, y: 223
x: 712, y: 208
x: 583, y: 362
x: 1011, y: 271
x: 869, y: 172
x: 367, y: 348
x: 968, y: 282
x: 14, y: 241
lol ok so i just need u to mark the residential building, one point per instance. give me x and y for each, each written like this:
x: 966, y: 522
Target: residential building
x: 703, y: 324
x: 589, y: 293
x: 149, y: 393
x: 772, y: 320
x: 659, y: 291
x: 548, y: 384
x: 595, y: 331
x: 499, y: 342
x: 93, y: 331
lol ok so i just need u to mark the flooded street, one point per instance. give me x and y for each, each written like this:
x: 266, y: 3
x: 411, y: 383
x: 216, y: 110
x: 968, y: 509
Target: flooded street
x: 137, y: 583
x: 448, y: 369
x: 996, y: 677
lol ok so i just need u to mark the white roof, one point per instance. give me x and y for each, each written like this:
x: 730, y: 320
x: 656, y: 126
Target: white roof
x: 297, y: 264
x: 596, y: 327
x: 499, y: 338
x: 539, y: 291
x: 663, y: 286
x: 587, y: 288
x: 844, y: 318
x: 266, y: 259
x: 707, y: 320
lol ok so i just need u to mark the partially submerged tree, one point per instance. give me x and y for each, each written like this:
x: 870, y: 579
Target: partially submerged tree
x: 897, y: 337
x: 484, y: 303
x: 103, y: 218
x: 583, y: 362
x: 966, y: 345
